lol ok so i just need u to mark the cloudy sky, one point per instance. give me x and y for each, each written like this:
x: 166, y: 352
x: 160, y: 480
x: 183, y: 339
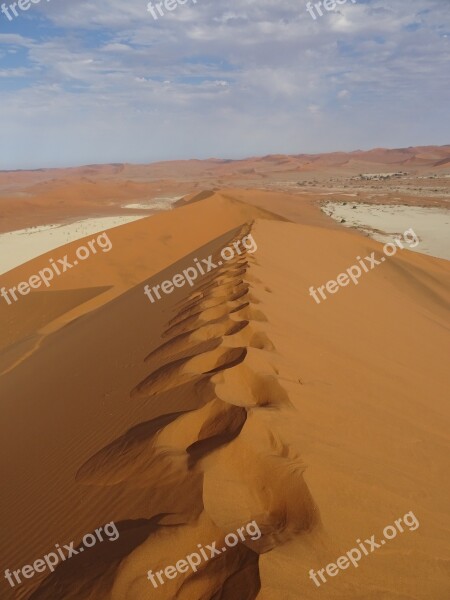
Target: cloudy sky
x: 90, y: 81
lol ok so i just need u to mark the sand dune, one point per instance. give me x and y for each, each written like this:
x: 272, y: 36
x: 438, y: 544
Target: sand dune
x: 238, y: 399
x: 45, y: 196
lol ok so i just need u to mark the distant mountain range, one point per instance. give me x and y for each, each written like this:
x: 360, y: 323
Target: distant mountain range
x: 415, y: 157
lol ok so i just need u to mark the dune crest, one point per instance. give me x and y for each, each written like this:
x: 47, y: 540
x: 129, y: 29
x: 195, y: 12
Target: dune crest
x: 237, y: 400
x: 218, y: 344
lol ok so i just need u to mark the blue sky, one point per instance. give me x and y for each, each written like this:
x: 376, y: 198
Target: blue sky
x: 94, y: 81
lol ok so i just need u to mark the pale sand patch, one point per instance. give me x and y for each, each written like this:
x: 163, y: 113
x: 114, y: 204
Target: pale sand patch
x: 383, y: 223
x: 18, y: 247
x: 163, y: 203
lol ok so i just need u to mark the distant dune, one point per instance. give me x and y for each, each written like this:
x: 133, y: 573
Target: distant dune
x: 55, y: 195
x: 235, y: 400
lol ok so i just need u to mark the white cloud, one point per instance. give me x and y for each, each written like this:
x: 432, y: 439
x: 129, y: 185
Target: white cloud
x: 225, y: 77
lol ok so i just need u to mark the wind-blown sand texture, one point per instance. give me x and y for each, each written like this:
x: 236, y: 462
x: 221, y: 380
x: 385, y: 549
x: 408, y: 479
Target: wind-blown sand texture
x: 238, y: 399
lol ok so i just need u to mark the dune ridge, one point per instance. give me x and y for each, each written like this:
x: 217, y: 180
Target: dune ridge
x: 213, y: 344
x: 237, y: 400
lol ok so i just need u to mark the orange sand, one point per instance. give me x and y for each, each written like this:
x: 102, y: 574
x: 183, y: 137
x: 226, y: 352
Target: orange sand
x: 239, y: 399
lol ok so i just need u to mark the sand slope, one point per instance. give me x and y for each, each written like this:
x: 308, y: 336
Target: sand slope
x: 240, y: 399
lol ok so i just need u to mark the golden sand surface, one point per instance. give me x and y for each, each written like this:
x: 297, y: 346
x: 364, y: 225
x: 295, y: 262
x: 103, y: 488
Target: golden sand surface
x: 234, y: 400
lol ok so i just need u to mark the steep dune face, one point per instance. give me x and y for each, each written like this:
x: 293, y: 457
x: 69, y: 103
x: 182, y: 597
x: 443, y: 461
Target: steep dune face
x: 237, y: 400
x: 368, y: 384
x: 137, y: 252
